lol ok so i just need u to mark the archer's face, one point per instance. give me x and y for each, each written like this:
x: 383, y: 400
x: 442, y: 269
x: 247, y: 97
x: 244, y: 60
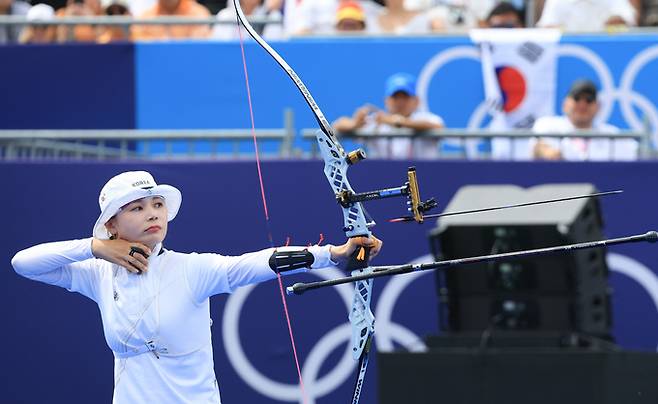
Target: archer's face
x: 143, y: 220
x: 401, y: 103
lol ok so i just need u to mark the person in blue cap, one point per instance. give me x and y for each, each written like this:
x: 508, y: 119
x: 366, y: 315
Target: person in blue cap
x: 401, y: 116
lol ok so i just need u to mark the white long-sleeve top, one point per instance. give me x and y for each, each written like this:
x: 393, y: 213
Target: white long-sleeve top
x: 157, y: 323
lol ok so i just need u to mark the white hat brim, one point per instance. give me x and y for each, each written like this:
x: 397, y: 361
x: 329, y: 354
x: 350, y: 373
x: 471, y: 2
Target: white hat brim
x: 172, y: 197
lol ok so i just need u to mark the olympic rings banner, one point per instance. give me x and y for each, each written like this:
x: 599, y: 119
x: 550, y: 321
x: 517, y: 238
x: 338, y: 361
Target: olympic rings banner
x: 54, y: 350
x: 201, y: 84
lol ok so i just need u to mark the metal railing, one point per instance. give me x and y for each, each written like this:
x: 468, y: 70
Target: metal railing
x: 127, y: 21
x: 645, y: 149
x: 29, y: 144
x: 125, y: 144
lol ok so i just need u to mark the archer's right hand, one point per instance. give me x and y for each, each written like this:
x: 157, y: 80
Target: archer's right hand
x: 121, y: 252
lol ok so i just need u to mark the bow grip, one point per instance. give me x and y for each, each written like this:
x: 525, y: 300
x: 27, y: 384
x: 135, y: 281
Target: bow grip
x: 359, y: 259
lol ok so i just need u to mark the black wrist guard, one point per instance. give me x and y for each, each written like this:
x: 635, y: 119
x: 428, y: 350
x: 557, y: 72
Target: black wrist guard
x: 283, y: 261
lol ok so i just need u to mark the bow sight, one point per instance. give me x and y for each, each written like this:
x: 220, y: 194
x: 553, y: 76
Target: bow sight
x: 417, y: 207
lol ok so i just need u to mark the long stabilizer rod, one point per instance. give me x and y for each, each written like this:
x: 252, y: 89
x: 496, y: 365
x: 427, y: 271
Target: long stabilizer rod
x: 300, y: 288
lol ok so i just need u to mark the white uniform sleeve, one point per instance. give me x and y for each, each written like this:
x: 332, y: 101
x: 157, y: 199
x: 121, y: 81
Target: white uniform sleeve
x: 67, y: 264
x: 212, y: 274
x: 225, y: 31
x: 550, y: 16
x: 545, y: 124
x: 303, y: 19
x: 427, y: 117
x: 625, y: 10
x: 481, y: 8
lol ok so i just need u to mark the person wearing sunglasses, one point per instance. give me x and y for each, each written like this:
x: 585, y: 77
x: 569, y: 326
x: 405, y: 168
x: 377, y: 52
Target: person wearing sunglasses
x: 580, y: 108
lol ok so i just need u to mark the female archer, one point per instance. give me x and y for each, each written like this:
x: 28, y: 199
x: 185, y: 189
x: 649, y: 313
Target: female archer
x: 154, y: 302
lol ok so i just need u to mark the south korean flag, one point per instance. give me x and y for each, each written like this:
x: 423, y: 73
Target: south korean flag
x: 519, y: 69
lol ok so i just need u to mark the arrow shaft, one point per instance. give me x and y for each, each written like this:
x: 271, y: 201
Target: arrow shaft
x: 517, y: 205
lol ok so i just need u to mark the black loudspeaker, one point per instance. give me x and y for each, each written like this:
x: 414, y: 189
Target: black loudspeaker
x: 563, y: 292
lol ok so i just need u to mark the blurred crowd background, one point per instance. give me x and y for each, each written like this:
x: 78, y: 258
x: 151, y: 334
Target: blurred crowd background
x: 516, y: 42
x: 280, y: 19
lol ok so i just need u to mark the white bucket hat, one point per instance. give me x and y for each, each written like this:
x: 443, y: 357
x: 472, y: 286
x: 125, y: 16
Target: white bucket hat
x: 131, y: 186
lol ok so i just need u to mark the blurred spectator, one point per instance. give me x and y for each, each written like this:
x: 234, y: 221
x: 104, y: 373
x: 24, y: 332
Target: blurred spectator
x: 505, y: 15
x: 647, y: 11
x: 580, y: 107
x: 39, y: 33
x: 350, y: 17
x: 586, y: 15
x: 11, y: 33
x: 139, y: 7
x: 319, y: 16
x: 455, y: 15
x: 401, y: 112
x: 396, y: 19
x: 115, y: 33
x: 183, y: 8
x: 79, y: 8
x: 251, y: 8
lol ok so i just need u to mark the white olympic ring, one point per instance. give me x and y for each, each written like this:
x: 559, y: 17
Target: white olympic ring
x: 626, y: 87
x: 387, y: 332
x: 310, y: 370
x: 625, y: 94
x: 636, y: 271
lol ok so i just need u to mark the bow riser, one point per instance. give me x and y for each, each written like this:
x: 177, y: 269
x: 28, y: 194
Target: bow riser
x: 335, y: 169
x: 355, y: 225
x: 361, y: 317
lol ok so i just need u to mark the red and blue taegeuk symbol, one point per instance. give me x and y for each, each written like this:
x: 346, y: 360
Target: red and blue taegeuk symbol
x: 512, y: 86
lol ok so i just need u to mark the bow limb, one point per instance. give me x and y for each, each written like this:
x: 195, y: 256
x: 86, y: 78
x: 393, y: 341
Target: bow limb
x: 322, y: 121
x: 356, y: 223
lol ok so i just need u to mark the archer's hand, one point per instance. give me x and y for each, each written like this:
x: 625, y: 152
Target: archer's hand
x: 342, y: 253
x: 118, y: 252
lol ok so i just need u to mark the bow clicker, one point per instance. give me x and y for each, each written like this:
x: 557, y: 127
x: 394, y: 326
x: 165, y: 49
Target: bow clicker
x: 357, y: 222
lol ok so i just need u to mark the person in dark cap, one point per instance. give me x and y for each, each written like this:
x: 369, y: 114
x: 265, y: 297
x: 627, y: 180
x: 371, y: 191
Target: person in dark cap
x: 505, y: 15
x: 580, y: 108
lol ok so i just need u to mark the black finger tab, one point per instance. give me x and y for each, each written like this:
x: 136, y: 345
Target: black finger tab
x: 359, y: 259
